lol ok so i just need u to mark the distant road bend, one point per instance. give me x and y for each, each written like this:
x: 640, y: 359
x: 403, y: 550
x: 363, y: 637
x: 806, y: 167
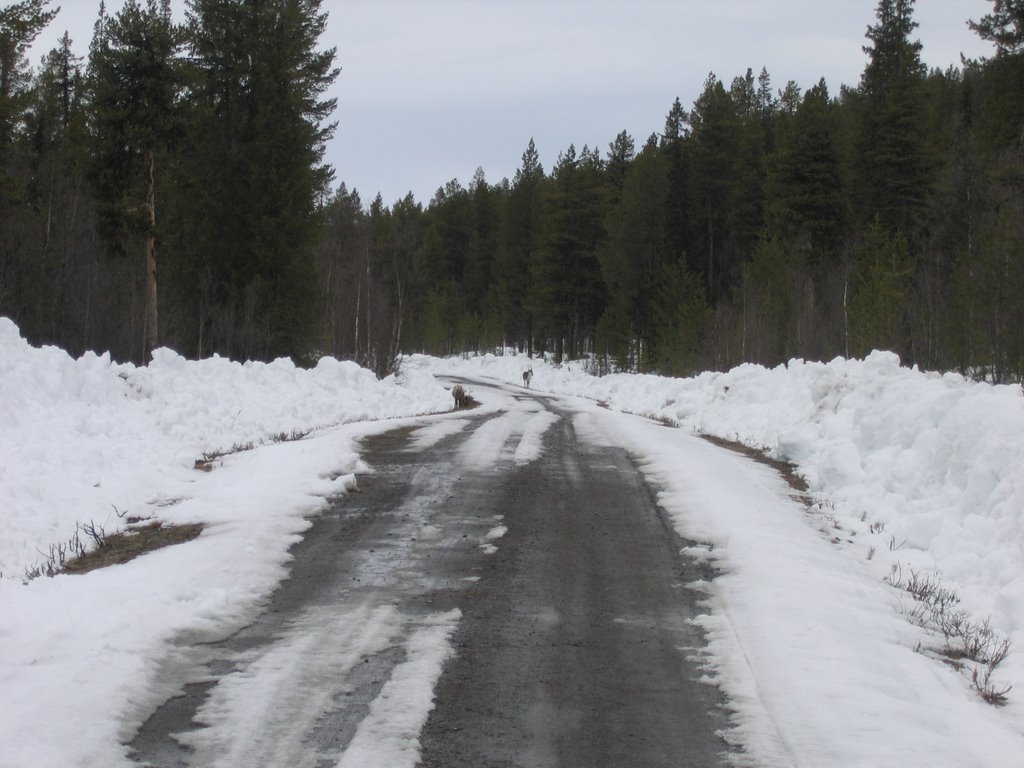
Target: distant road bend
x: 512, y: 565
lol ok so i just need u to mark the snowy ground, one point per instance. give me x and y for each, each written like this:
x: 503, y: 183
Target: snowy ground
x: 908, y: 472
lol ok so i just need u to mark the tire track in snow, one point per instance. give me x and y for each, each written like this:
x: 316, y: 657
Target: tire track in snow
x: 301, y: 673
x: 389, y: 736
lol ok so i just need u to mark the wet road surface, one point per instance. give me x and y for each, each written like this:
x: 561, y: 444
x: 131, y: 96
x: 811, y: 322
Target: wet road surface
x: 532, y: 555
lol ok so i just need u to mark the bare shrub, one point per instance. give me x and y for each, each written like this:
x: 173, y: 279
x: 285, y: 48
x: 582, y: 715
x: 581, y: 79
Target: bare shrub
x: 983, y: 685
x: 95, y: 532
x: 916, y: 613
x: 934, y: 608
x: 928, y: 588
x: 58, y: 556
x: 977, y: 641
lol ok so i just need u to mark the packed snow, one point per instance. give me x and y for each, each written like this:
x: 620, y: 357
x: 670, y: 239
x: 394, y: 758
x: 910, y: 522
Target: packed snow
x: 815, y: 648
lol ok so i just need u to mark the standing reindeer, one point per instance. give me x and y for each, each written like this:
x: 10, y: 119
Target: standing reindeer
x: 527, y: 376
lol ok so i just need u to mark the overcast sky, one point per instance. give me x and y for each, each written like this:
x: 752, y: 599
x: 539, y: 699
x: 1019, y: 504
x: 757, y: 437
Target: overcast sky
x: 430, y: 90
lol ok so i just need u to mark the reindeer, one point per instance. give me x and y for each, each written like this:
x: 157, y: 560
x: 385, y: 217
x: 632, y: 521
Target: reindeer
x: 527, y: 376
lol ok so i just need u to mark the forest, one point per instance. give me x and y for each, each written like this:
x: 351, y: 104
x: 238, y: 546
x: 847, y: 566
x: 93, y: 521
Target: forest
x: 169, y: 189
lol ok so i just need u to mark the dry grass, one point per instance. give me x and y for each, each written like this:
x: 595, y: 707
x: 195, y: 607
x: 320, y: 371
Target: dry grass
x: 126, y: 545
x: 784, y: 468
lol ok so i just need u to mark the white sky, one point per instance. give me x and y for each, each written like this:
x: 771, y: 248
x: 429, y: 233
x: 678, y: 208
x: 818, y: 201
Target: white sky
x: 431, y: 90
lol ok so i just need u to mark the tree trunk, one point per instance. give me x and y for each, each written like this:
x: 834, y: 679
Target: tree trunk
x: 368, y: 360
x: 151, y: 314
x: 355, y: 341
x: 712, y: 297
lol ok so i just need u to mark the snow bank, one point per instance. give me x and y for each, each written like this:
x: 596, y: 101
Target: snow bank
x: 80, y: 441
x: 79, y: 438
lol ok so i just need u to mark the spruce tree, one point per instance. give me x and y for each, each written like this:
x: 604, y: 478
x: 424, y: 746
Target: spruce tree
x: 894, y: 146
x: 567, y: 293
x: 807, y: 200
x: 256, y: 170
x: 716, y: 145
x: 444, y: 262
x: 634, y: 259
x: 518, y: 237
x: 880, y: 293
x: 484, y: 211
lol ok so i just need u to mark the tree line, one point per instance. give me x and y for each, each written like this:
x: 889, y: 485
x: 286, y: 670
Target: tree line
x: 169, y: 188
x: 759, y: 224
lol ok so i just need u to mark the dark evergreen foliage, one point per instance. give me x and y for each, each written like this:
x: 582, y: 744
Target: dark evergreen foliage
x: 761, y: 224
x: 255, y: 174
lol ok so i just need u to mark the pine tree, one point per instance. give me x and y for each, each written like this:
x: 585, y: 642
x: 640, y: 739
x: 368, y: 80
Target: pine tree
x: 517, y: 240
x: 987, y: 322
x: 135, y: 84
x: 485, y: 203
x: 567, y: 293
x: 789, y: 98
x: 997, y: 84
x: 894, y: 147
x: 682, y: 318
x: 744, y: 95
x: 255, y: 169
x: 747, y: 196
x: 20, y: 24
x: 341, y: 254
x: 1004, y: 27
x: 675, y: 147
x: 55, y: 128
x: 768, y: 303
x: 384, y: 268
x: 766, y: 103
x: 880, y: 293
x: 807, y: 208
x: 634, y: 259
x: 621, y: 154
x: 716, y: 144
x: 444, y: 264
